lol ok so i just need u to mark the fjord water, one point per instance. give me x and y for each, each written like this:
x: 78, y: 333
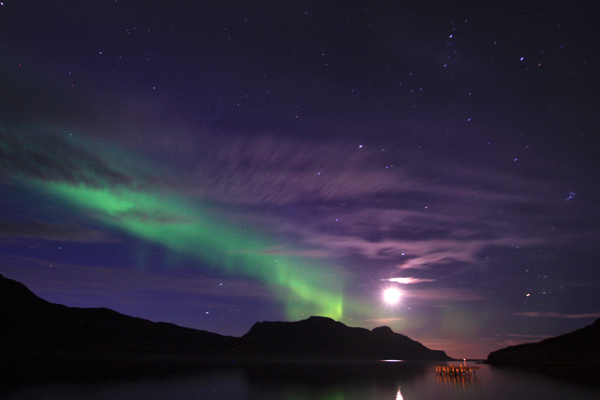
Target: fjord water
x: 320, y: 381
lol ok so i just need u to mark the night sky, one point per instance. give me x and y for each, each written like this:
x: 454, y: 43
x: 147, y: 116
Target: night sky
x: 218, y: 163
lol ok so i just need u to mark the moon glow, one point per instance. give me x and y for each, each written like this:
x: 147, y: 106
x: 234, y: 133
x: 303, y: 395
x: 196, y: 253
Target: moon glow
x: 391, y: 296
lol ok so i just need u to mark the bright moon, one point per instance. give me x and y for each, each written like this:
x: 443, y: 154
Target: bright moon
x: 391, y: 296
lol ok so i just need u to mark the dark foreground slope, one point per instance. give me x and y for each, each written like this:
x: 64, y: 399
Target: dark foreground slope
x: 578, y: 348
x: 31, y: 326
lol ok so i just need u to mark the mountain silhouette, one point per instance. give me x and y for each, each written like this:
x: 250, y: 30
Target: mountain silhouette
x: 32, y: 327
x: 581, y: 347
x: 320, y: 337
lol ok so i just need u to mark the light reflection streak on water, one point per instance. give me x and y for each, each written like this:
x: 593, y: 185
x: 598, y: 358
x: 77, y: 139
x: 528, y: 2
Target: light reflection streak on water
x: 399, y: 395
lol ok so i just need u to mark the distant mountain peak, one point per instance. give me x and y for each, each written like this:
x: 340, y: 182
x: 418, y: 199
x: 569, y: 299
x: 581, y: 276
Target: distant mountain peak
x: 324, y: 337
x: 383, y: 330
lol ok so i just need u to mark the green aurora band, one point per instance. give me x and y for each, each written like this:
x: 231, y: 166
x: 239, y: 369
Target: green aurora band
x: 100, y: 185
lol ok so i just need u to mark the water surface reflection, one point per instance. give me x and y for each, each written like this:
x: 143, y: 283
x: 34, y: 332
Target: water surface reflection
x: 317, y: 381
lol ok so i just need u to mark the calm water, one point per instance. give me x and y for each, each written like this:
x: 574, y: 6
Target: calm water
x: 320, y: 381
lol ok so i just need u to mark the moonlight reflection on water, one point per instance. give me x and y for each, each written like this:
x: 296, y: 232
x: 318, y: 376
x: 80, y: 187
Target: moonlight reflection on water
x: 320, y: 381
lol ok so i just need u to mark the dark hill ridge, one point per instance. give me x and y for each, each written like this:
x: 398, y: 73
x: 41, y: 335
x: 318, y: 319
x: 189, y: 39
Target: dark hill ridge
x: 581, y: 347
x: 33, y: 327
x: 320, y: 337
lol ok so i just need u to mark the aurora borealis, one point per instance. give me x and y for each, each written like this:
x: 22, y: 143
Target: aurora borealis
x: 122, y: 200
x: 213, y: 165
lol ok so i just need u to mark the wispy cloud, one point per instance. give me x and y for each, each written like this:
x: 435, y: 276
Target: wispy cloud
x: 446, y: 294
x: 558, y: 315
x: 413, y: 254
x: 531, y: 337
x: 382, y: 320
x: 116, y: 285
x: 408, y: 281
x: 272, y: 170
x: 62, y: 232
